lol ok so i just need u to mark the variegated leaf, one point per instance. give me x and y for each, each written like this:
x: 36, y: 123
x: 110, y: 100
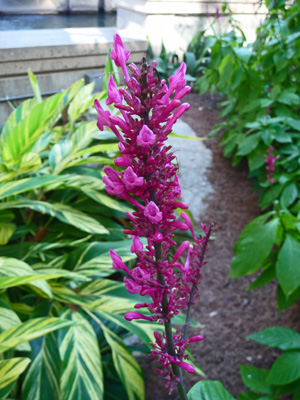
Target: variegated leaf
x: 8, y: 319
x: 10, y: 370
x: 29, y: 330
x: 82, y: 377
x: 6, y: 232
x: 14, y: 272
x: 20, y: 140
x: 64, y: 213
x: 126, y: 366
x: 42, y: 381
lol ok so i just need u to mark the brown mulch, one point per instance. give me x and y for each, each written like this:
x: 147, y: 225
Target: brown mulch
x: 226, y: 311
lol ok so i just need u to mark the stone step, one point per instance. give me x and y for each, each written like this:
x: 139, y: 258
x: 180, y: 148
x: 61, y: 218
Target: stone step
x: 58, y: 57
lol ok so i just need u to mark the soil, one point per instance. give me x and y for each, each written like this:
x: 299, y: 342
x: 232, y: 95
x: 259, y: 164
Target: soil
x: 226, y: 311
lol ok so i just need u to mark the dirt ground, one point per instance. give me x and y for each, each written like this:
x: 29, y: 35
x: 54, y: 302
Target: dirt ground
x: 226, y: 311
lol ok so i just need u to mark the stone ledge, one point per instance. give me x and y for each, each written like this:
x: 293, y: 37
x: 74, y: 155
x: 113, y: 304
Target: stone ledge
x: 57, y: 43
x: 58, y: 57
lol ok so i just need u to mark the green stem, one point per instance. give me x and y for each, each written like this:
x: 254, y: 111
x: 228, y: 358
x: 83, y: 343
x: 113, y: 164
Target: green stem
x: 168, y: 328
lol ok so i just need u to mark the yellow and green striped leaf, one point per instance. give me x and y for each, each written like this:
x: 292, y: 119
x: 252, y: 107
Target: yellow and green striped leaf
x: 6, y: 231
x: 80, y: 102
x: 27, y: 184
x: 82, y: 377
x: 42, y: 381
x: 20, y: 140
x: 31, y: 329
x: 15, y: 272
x: 10, y: 370
x: 17, y: 115
x: 63, y: 212
x: 8, y: 319
x: 126, y: 366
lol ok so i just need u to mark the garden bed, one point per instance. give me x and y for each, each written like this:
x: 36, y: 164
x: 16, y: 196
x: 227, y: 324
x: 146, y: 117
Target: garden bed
x: 226, y: 310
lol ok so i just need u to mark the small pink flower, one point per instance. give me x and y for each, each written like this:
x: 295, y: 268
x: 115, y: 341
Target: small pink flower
x: 180, y: 250
x: 114, y: 185
x: 131, y: 180
x: 196, y: 338
x: 120, y: 55
x: 136, y: 315
x: 188, y: 367
x: 117, y: 262
x: 140, y: 275
x: 152, y: 212
x: 146, y: 137
x: 136, y: 245
x: 132, y: 286
x: 113, y: 94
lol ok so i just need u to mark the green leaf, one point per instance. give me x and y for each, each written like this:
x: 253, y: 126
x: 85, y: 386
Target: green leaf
x: 248, y: 144
x: 82, y: 377
x: 285, y: 369
x: 28, y: 184
x: 17, y: 115
x: 144, y: 331
x: 267, y: 276
x: 77, y: 105
x: 248, y: 396
x: 63, y: 212
x: 29, y: 330
x: 284, y: 301
x: 21, y: 139
x: 243, y: 53
x: 126, y: 366
x: 42, y: 381
x: 255, y: 379
x: 9, y: 319
x: 288, y: 98
x: 17, y: 273
x: 35, y: 86
x: 288, y: 265
x: 288, y: 195
x: 6, y: 232
x: 276, y: 336
x: 252, y: 251
x: 83, y: 135
x: 209, y: 390
x: 256, y: 158
x: 58, y: 153
x: 10, y: 370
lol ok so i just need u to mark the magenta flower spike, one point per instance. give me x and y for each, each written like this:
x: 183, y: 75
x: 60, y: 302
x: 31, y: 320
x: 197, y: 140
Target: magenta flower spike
x: 146, y: 176
x: 270, y: 164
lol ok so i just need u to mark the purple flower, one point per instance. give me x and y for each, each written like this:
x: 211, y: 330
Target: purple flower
x: 152, y: 212
x: 147, y: 177
x: 146, y: 137
x: 270, y: 161
x: 120, y: 55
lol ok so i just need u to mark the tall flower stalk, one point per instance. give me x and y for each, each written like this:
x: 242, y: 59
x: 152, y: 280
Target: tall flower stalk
x: 146, y: 177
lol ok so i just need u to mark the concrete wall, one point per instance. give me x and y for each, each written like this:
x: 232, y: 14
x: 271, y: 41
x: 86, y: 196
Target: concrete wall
x: 58, y: 57
x: 175, y: 22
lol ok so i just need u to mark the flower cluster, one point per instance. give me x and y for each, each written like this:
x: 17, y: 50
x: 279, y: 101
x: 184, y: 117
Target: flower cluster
x: 161, y: 352
x: 148, y: 110
x: 270, y: 161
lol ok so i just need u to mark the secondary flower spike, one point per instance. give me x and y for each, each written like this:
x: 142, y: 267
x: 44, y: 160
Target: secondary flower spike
x: 146, y: 176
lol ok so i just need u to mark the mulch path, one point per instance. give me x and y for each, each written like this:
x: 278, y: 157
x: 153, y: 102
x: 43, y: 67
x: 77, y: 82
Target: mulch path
x: 225, y: 310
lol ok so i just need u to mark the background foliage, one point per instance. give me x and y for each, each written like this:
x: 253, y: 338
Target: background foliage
x: 259, y: 84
